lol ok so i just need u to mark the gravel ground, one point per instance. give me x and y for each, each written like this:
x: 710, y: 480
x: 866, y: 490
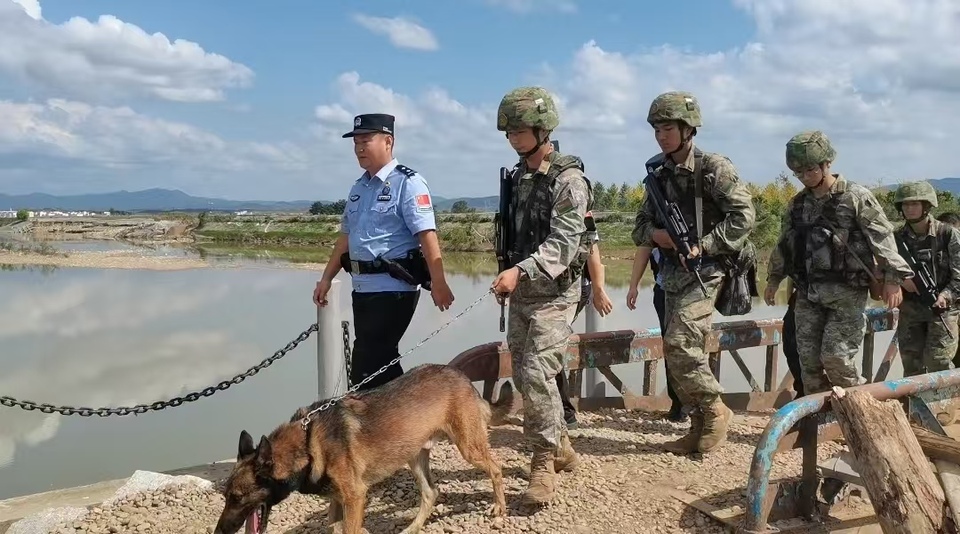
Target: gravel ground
x: 622, y: 472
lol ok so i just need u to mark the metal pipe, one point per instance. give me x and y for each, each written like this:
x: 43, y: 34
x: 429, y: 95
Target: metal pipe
x: 786, y: 417
x: 331, y: 368
x: 593, y: 382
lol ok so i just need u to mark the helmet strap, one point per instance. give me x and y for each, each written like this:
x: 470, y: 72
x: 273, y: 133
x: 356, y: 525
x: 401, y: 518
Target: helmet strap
x: 685, y: 139
x: 541, y: 140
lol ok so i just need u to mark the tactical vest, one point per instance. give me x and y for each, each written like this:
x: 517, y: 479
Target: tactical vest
x: 930, y: 250
x: 536, y: 208
x: 819, y: 254
x: 712, y: 214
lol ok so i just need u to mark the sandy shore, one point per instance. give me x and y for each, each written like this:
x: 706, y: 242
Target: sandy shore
x: 136, y: 260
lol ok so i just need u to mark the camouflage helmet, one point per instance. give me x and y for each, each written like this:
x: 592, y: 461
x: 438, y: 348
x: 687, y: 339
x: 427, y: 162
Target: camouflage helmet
x: 675, y: 106
x: 527, y: 107
x: 922, y: 191
x: 809, y: 149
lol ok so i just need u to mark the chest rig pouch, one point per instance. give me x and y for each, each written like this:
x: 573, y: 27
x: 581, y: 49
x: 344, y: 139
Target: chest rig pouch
x: 535, y: 202
x: 827, y: 249
x: 739, y: 268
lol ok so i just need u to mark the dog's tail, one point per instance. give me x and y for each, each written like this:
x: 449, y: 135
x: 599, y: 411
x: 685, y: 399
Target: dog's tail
x: 498, y: 412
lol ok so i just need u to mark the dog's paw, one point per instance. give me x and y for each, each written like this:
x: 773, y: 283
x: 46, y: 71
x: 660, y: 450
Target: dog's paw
x: 497, y: 510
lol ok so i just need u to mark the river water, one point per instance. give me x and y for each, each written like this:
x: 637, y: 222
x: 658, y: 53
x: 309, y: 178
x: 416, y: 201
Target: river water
x: 98, y: 337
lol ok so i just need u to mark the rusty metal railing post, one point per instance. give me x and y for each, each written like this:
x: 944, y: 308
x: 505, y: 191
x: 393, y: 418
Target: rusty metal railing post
x: 942, y: 385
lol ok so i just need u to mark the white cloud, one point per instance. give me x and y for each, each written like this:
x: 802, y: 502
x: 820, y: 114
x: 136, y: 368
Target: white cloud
x: 119, y: 138
x: 109, y: 58
x: 402, y: 32
x: 879, y: 77
x: 528, y: 6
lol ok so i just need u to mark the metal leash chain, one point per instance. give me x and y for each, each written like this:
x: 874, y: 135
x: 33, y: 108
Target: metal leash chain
x: 30, y: 406
x: 305, y: 422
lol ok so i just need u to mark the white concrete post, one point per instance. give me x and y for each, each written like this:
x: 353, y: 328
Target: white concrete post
x: 331, y: 368
x: 593, y: 382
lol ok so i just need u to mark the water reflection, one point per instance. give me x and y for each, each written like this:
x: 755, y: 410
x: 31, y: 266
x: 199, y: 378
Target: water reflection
x: 88, y: 337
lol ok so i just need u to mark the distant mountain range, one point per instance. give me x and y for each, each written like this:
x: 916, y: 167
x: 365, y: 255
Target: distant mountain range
x: 150, y: 200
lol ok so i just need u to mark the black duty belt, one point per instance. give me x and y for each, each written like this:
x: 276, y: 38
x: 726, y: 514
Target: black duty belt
x: 411, y: 268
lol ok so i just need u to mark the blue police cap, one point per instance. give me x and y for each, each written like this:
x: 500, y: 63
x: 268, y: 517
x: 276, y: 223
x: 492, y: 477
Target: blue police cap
x: 371, y: 123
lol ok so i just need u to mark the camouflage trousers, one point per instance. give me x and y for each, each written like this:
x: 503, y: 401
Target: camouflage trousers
x: 689, y: 319
x: 926, y: 346
x: 537, y: 333
x: 829, y: 336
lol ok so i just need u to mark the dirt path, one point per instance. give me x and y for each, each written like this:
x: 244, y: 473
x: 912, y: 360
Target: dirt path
x: 619, y: 487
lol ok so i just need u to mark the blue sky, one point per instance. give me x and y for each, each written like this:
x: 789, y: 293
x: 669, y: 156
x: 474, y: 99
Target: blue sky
x: 252, y: 103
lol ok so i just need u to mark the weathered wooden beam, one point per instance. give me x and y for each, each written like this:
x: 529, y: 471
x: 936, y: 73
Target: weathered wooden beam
x: 903, y: 489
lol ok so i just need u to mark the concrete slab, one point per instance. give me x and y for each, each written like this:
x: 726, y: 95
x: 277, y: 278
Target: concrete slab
x: 16, y: 508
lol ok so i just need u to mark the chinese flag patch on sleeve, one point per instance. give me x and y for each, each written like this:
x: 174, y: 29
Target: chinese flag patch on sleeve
x: 423, y: 202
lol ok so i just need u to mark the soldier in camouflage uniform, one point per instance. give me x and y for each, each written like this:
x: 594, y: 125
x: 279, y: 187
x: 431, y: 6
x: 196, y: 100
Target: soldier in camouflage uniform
x: 927, y: 341
x: 834, y: 238
x: 725, y: 219
x: 550, y: 201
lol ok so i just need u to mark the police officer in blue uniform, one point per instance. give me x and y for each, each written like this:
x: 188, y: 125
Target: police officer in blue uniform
x: 388, y: 243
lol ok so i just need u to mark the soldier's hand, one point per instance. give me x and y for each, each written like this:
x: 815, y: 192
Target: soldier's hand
x: 442, y: 295
x: 506, y: 281
x: 892, y: 295
x: 662, y: 238
x: 941, y: 303
x: 909, y: 285
x: 770, y: 294
x: 694, y: 252
x: 320, y: 293
x: 632, y: 298
x: 601, y: 302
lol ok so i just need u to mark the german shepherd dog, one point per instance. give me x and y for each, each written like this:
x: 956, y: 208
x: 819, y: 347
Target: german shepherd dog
x: 361, y: 440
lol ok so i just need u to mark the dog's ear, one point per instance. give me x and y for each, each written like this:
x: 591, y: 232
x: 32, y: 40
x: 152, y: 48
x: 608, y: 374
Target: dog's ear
x: 246, y: 445
x: 264, y: 453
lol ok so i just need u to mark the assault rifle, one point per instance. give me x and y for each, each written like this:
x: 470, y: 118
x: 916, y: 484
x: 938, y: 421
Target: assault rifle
x: 503, y: 222
x: 675, y: 225
x: 923, y: 279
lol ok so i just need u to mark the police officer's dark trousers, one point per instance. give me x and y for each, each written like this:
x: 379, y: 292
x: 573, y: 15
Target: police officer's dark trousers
x: 379, y: 321
x: 790, y: 351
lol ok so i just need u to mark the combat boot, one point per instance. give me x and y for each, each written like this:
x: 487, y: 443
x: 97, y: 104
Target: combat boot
x: 543, y: 482
x: 716, y: 419
x: 567, y: 459
x: 691, y: 441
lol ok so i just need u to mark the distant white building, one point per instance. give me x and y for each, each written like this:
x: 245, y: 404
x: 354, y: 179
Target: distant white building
x: 8, y: 214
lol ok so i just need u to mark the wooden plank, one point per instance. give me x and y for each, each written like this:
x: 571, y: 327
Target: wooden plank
x: 726, y: 516
x: 903, y: 489
x: 937, y: 447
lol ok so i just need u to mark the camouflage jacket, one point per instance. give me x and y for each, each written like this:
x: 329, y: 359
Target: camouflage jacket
x: 553, y: 254
x: 939, y: 249
x: 811, y: 247
x: 729, y: 215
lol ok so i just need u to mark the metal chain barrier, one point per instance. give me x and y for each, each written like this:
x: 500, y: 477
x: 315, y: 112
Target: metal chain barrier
x: 306, y: 419
x: 30, y: 406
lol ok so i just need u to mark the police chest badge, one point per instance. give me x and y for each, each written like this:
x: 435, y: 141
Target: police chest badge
x: 354, y: 197
x: 385, y: 195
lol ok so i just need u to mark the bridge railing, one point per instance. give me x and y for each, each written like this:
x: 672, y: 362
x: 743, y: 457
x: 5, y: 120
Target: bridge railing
x: 491, y: 362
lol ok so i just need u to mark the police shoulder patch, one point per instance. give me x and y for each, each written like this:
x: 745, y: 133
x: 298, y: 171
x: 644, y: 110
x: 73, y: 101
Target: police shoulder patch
x: 406, y: 170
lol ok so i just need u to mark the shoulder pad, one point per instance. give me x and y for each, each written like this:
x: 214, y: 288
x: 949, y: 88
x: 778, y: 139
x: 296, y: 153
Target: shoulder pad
x: 565, y: 162
x: 654, y: 162
x: 407, y: 171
